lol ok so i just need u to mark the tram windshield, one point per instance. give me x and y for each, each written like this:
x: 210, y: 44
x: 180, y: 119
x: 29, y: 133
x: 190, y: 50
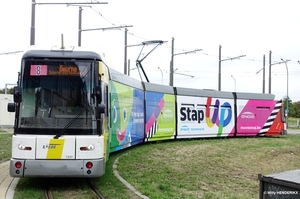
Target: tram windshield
x: 56, y: 96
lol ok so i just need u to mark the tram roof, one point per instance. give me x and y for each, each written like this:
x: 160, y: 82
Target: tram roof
x: 124, y: 79
x: 71, y: 53
x: 262, y: 96
x: 203, y: 93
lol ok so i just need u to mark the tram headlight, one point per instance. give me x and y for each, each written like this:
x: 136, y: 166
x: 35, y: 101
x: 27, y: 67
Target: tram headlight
x: 21, y: 147
x: 91, y: 147
x: 87, y: 148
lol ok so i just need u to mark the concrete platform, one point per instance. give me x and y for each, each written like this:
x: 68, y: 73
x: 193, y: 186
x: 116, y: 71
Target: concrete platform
x: 7, y: 183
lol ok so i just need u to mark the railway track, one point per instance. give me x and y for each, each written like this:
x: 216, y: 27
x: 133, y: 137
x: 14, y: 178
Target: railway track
x: 93, y: 188
x: 48, y: 193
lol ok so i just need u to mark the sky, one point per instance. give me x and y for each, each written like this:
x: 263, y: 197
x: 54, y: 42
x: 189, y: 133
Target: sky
x: 248, y: 29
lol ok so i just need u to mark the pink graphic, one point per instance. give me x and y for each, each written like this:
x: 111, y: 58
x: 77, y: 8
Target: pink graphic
x: 38, y: 70
x: 121, y: 135
x: 155, y: 114
x: 253, y: 117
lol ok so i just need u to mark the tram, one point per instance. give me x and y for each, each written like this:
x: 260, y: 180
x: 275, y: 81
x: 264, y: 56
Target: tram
x: 72, y: 111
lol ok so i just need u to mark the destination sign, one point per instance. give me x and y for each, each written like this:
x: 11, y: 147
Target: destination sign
x: 44, y: 70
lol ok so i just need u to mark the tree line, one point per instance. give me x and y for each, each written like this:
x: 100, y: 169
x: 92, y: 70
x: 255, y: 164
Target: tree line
x: 9, y: 91
x: 294, y: 107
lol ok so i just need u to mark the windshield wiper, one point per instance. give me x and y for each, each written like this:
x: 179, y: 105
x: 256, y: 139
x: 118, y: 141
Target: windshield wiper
x: 69, y: 124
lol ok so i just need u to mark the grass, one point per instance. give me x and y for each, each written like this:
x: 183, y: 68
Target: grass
x: 5, y: 146
x: 214, y: 168
x: 293, y: 123
x: 206, y: 168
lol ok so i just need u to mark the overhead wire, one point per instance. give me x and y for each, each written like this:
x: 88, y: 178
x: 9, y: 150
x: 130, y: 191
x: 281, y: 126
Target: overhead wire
x: 167, y: 45
x: 138, y: 35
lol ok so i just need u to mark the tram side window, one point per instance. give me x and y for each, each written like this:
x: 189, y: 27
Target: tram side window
x: 28, y: 103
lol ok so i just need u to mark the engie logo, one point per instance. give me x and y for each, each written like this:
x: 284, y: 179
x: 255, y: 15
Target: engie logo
x: 168, y: 114
x: 184, y: 128
x: 247, y: 115
x: 167, y: 117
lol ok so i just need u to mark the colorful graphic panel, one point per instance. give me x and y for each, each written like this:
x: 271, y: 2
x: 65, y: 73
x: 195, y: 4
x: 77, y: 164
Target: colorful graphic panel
x: 204, y: 117
x: 105, y: 80
x: 160, y: 116
x: 256, y: 117
x: 126, y: 116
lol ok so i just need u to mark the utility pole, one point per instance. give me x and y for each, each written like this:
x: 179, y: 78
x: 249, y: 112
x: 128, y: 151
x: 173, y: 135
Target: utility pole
x: 270, y: 64
x: 108, y: 28
x: 219, y: 85
x: 172, y: 62
x: 32, y: 28
x: 263, y: 68
x: 125, y: 53
x: 287, y: 91
x: 270, y: 57
x: 125, y: 47
x: 264, y: 71
x: 219, y: 77
x: 33, y: 4
x: 129, y: 67
x: 79, y: 26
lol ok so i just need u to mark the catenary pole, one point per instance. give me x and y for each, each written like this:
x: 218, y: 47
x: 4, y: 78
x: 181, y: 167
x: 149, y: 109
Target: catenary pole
x: 219, y: 82
x: 79, y: 26
x: 270, y: 57
x: 231, y: 58
x: 172, y: 71
x: 32, y: 28
x: 171, y: 63
x: 125, y: 53
x: 264, y: 71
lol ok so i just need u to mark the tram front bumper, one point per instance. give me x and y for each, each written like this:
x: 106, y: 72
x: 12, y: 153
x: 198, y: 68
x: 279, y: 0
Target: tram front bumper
x: 56, y: 168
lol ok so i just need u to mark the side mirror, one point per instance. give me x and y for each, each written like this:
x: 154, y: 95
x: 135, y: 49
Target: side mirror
x: 98, y: 94
x: 11, y: 107
x: 17, y: 94
x: 99, y: 110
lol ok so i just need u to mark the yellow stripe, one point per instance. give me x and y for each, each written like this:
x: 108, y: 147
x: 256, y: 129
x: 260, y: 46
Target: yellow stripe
x: 55, y: 148
x: 100, y: 69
